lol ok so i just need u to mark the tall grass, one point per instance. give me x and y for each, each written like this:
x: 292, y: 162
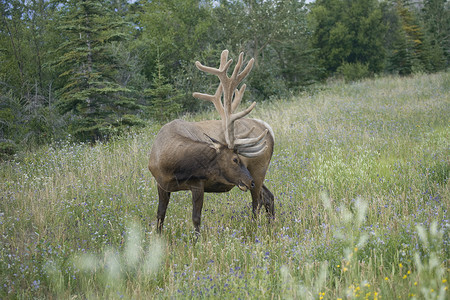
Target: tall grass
x: 360, y: 175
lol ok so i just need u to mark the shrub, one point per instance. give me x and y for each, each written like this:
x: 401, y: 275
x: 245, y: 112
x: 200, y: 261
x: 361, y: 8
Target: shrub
x: 353, y: 71
x: 7, y: 149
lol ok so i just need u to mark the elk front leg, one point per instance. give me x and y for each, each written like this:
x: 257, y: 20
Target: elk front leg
x: 164, y: 197
x: 197, y: 202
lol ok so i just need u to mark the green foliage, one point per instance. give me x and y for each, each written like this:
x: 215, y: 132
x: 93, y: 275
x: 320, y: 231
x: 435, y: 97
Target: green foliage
x: 188, y: 79
x: 174, y: 32
x: 266, y: 82
x: 276, y: 34
x: 164, y: 99
x: 353, y: 71
x: 348, y: 31
x: 9, y: 116
x: 411, y: 49
x: 7, y: 149
x: 436, y: 17
x: 27, y: 122
x: 85, y: 67
x: 90, y: 93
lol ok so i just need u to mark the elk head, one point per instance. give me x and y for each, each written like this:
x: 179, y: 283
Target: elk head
x: 232, y: 96
x: 230, y: 169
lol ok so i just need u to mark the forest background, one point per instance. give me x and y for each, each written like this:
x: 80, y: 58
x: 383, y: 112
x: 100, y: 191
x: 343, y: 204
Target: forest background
x: 89, y: 69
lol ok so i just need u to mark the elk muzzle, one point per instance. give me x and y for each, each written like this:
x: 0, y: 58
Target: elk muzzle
x: 246, y: 181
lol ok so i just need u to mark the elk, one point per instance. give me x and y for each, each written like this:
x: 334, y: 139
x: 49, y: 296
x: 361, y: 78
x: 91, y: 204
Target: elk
x: 214, y: 156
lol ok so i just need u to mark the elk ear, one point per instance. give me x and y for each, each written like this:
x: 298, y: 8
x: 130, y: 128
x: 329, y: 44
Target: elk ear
x: 215, y: 144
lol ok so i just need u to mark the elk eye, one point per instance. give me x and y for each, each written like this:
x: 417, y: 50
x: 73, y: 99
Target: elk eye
x: 235, y: 160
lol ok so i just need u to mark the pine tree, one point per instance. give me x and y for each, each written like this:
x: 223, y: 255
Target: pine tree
x: 410, y: 49
x: 436, y: 16
x: 96, y: 104
x: 401, y: 58
x: 164, y: 99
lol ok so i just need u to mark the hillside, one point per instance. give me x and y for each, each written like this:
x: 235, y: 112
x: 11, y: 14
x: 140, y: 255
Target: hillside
x: 360, y: 175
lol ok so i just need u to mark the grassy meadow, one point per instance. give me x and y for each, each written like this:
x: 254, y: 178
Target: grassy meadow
x: 360, y: 175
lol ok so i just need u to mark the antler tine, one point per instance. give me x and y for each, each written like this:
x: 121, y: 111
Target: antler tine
x: 237, y: 77
x: 237, y: 67
x: 243, y: 113
x: 238, y: 97
x: 252, y: 147
x: 224, y: 60
x: 221, y: 72
x: 232, y: 97
x: 215, y: 99
x: 253, y: 152
x: 241, y: 76
x: 248, y: 142
x: 243, y: 135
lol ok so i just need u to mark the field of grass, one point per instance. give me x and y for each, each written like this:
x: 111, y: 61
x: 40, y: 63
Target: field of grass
x: 360, y: 175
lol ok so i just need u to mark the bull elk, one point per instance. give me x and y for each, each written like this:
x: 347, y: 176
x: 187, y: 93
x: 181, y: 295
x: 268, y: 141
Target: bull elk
x: 214, y: 156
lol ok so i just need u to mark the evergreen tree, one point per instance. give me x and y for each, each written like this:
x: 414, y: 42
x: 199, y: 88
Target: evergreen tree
x: 348, y: 31
x: 13, y: 51
x: 401, y: 58
x: 436, y: 16
x: 96, y: 104
x: 410, y: 51
x: 164, y: 99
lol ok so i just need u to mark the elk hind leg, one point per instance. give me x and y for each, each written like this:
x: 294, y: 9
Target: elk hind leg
x: 164, y: 197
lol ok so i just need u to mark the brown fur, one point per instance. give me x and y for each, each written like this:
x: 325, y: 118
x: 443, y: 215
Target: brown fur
x: 183, y: 157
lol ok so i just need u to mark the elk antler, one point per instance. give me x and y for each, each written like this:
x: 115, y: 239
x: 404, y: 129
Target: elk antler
x: 232, y: 97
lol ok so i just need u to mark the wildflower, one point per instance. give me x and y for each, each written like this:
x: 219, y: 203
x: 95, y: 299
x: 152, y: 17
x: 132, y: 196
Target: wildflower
x: 344, y: 269
x: 385, y: 278
x: 355, y: 249
x: 400, y: 265
x: 444, y: 280
x: 404, y: 276
x: 415, y: 283
x: 409, y: 272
